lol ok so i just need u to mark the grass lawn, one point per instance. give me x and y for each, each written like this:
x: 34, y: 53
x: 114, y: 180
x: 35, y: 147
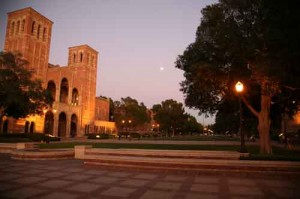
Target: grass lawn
x: 194, y: 138
x: 14, y: 140
x: 278, y: 153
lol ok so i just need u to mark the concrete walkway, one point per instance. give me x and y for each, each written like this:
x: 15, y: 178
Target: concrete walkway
x: 69, y: 179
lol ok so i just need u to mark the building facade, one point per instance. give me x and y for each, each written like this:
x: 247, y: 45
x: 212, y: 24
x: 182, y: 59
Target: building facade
x: 73, y: 87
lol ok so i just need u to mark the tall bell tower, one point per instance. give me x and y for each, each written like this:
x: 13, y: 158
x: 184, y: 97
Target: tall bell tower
x: 83, y: 61
x: 29, y: 33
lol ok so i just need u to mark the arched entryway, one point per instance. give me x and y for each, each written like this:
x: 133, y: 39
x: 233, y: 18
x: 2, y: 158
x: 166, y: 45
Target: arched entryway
x: 52, y: 89
x: 5, y: 126
x: 26, y: 128
x: 49, y: 123
x: 62, y: 125
x: 64, y: 91
x: 73, y: 129
x: 32, y: 125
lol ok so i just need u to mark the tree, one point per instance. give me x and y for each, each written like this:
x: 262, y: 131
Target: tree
x: 190, y: 125
x: 20, y: 95
x: 170, y: 115
x: 130, y: 109
x: 253, y: 41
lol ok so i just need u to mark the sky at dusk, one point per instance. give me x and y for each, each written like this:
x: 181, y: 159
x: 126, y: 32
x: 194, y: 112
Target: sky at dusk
x: 138, y: 41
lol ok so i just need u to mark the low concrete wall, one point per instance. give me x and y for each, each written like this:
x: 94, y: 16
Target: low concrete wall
x: 42, y: 154
x: 80, y: 151
x: 7, y: 147
x: 200, y: 154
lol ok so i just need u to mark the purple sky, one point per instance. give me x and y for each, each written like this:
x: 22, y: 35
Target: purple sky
x: 134, y: 38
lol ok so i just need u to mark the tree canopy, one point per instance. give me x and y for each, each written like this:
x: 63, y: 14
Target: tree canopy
x: 20, y: 94
x: 129, y: 109
x: 253, y: 41
x: 172, y: 118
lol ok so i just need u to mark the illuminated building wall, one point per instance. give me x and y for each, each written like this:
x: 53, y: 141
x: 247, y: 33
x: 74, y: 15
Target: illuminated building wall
x: 73, y: 86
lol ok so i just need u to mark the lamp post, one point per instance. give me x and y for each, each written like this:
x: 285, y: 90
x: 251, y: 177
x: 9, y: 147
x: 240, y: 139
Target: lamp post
x: 239, y: 87
x: 129, y: 125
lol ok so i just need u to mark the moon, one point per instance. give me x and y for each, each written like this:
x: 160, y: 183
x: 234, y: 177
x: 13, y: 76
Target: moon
x: 161, y: 68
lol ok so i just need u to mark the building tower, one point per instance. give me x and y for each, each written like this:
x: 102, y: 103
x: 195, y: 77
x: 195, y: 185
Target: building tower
x: 83, y: 62
x: 29, y: 33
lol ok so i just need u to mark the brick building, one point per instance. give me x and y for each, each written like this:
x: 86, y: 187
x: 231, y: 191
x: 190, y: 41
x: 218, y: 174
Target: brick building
x: 76, y: 110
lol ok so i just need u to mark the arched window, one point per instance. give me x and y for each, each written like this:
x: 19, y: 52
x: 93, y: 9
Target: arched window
x: 23, y: 25
x: 74, y: 58
x: 75, y: 97
x: 88, y: 59
x: 52, y: 89
x: 44, y: 34
x: 18, y: 27
x: 81, y: 57
x: 38, y: 31
x: 64, y: 90
x: 12, y: 28
x: 92, y: 64
x: 32, y: 27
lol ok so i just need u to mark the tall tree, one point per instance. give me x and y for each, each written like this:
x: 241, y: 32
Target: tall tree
x: 20, y: 95
x: 190, y: 125
x: 170, y: 115
x: 130, y: 109
x: 253, y: 41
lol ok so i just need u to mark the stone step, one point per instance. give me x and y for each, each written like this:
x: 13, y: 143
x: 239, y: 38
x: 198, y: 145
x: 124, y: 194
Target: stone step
x: 186, y: 154
x: 193, y: 164
x: 197, y: 170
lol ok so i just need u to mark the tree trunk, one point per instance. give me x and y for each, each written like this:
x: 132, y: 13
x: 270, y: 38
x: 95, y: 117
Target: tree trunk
x: 264, y: 123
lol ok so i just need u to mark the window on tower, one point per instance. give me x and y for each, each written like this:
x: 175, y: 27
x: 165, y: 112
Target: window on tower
x: 32, y: 27
x: 81, y: 57
x: 88, y: 58
x: 18, y: 27
x: 92, y: 61
x: 23, y: 25
x: 44, y: 34
x: 38, y: 31
x: 12, y: 28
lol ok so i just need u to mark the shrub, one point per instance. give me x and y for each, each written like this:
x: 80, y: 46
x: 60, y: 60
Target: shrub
x: 100, y: 136
x: 27, y: 137
x: 135, y: 135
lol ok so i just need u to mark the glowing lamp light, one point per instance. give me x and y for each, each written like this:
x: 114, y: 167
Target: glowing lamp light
x: 239, y: 87
x: 45, y: 111
x: 129, y: 121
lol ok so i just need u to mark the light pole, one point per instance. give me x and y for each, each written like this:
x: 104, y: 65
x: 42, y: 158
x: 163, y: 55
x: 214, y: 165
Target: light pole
x: 129, y: 124
x: 239, y: 87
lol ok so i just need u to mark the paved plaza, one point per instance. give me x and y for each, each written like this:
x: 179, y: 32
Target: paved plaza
x: 69, y: 179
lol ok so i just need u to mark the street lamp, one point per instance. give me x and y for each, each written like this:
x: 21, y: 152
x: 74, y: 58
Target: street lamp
x: 239, y: 87
x: 129, y: 124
